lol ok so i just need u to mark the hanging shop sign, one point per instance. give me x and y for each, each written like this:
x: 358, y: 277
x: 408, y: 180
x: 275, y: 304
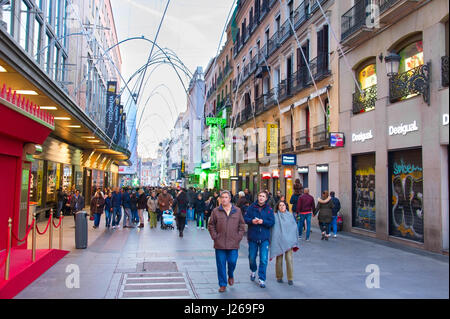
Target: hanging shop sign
x: 216, y: 121
x: 265, y: 176
x: 288, y: 159
x: 272, y: 139
x: 288, y: 173
x: 337, y: 139
x: 183, y: 167
x: 303, y: 170
x: 362, y: 136
x: 403, y: 129
x: 110, y: 108
x: 235, y: 178
x: 206, y: 165
x: 224, y: 173
x: 276, y: 173
x: 445, y: 119
x: 322, y: 168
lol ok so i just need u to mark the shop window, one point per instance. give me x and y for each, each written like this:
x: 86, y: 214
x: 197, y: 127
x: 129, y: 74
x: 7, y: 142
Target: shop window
x: 363, y: 192
x: 365, y: 95
x: 36, y: 178
x: 406, y: 214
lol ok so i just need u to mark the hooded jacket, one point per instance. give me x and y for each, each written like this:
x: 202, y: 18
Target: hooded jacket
x: 259, y: 232
x: 152, y: 204
x: 325, y: 209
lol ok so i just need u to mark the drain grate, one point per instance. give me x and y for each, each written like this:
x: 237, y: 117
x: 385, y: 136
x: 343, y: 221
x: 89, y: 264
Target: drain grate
x: 166, y: 285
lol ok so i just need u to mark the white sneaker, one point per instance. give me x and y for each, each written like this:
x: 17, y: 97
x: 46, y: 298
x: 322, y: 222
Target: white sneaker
x: 118, y: 226
x: 114, y: 227
x: 334, y: 236
x: 198, y: 227
x: 203, y: 227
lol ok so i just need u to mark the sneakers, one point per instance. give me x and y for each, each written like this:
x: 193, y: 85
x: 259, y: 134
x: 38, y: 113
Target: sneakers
x: 334, y: 236
x: 280, y: 280
x: 198, y: 227
x: 290, y: 282
x: 262, y: 284
x: 114, y: 227
x: 204, y: 228
x: 309, y: 239
x: 253, y: 276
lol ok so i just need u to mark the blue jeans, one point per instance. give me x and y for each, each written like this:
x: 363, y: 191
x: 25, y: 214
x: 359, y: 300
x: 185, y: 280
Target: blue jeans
x: 97, y: 219
x: 334, y: 225
x: 127, y: 216
x: 224, y: 257
x: 59, y: 209
x: 200, y: 216
x: 108, y: 215
x: 263, y: 248
x: 117, y: 215
x: 302, y: 222
x: 134, y: 215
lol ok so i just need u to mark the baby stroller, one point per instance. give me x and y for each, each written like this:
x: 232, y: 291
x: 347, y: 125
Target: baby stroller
x: 167, y: 220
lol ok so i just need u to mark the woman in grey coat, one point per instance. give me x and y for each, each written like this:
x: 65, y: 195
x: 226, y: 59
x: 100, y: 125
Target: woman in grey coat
x: 325, y: 209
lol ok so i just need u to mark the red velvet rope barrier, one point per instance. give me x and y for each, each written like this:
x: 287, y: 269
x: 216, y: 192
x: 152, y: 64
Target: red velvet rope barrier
x: 26, y: 235
x: 48, y: 224
x: 60, y: 219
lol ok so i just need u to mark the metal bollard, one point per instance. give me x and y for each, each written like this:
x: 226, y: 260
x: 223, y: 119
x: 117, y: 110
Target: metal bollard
x: 50, y: 245
x: 61, y: 231
x: 33, y: 247
x: 8, y: 257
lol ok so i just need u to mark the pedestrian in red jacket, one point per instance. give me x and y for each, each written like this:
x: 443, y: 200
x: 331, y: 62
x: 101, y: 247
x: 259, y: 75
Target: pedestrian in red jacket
x: 305, y: 207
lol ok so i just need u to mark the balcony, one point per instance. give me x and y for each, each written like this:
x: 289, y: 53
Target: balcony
x: 301, y: 14
x: 274, y: 43
x: 300, y: 80
x: 444, y: 71
x: 263, y: 55
x: 259, y: 104
x: 264, y: 10
x: 365, y: 102
x: 302, y: 140
x: 410, y: 83
x: 319, y: 66
x: 285, y: 31
x: 315, y: 6
x: 321, y: 136
x: 253, y: 64
x: 353, y: 22
x: 286, y: 143
x: 270, y: 98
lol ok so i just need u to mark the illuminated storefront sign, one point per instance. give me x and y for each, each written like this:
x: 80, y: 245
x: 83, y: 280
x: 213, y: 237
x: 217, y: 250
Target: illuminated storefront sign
x: 403, y: 129
x: 288, y: 173
x: 303, y: 170
x: 276, y: 173
x: 336, y: 139
x: 224, y: 173
x: 216, y: 121
x: 272, y: 139
x: 266, y: 176
x: 361, y: 137
x: 288, y: 159
x: 322, y: 168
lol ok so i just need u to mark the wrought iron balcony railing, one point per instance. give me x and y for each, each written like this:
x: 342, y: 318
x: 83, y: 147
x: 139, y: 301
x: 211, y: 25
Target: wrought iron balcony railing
x: 286, y: 143
x: 354, y: 19
x: 365, y: 102
x: 315, y: 6
x: 285, y: 31
x: 302, y: 140
x: 321, y: 136
x: 410, y: 83
x: 270, y: 98
x: 301, y: 14
x: 259, y: 104
x: 444, y: 70
x: 274, y: 43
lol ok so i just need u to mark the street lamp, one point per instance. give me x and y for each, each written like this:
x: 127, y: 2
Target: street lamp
x: 392, y: 63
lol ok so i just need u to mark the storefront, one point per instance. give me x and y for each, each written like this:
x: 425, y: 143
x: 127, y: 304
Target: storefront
x: 248, y: 173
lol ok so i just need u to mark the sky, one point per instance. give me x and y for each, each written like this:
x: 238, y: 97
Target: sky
x: 192, y: 29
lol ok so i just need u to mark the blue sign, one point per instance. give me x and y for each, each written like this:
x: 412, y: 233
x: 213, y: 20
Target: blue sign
x: 288, y: 159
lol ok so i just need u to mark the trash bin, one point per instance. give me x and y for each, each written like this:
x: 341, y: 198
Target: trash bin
x: 81, y: 230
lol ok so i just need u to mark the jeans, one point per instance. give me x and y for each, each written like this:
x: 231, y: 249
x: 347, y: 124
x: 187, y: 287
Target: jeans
x: 127, y: 216
x: 200, y: 217
x: 141, y: 216
x: 97, y: 219
x: 263, y: 248
x: 59, y: 209
x: 224, y: 257
x: 334, y: 225
x: 117, y: 215
x: 134, y: 215
x: 108, y: 215
x: 301, y: 222
x: 325, y: 227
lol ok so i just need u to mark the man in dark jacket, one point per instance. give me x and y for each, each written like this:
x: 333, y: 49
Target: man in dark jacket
x: 305, y: 207
x: 248, y: 196
x: 76, y: 202
x: 116, y: 200
x: 60, y: 202
x: 126, y: 203
x: 201, y: 209
x: 226, y: 227
x: 259, y: 218
x: 336, y: 209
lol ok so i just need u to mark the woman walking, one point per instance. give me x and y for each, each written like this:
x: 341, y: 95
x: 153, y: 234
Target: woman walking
x: 108, y: 209
x: 152, y: 204
x: 181, y: 203
x: 97, y: 206
x: 141, y: 205
x: 283, y: 241
x: 325, y: 208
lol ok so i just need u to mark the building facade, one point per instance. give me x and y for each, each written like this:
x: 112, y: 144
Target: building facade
x: 394, y: 168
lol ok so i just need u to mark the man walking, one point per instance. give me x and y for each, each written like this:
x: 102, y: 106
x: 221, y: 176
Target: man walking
x: 165, y: 201
x: 226, y: 227
x: 126, y: 203
x: 76, y: 203
x: 260, y: 219
x: 336, y: 209
x: 116, y: 200
x: 305, y: 207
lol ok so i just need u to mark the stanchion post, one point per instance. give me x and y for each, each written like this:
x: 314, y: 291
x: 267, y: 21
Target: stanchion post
x: 51, y: 230
x: 33, y: 243
x: 61, y: 231
x: 8, y: 256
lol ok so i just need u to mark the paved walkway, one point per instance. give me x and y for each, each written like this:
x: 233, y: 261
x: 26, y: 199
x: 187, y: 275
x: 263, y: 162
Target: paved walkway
x: 155, y: 263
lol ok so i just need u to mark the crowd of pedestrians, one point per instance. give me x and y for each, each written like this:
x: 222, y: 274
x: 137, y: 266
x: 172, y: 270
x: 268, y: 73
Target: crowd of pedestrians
x: 273, y: 225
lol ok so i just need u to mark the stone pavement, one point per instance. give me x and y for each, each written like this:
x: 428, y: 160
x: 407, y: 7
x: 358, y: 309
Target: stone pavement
x: 155, y: 263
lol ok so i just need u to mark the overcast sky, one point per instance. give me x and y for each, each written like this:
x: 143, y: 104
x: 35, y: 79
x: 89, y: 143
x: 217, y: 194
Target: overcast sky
x: 191, y: 28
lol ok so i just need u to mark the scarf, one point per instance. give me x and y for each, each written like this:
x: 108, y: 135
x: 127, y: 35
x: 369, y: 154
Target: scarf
x: 283, y: 235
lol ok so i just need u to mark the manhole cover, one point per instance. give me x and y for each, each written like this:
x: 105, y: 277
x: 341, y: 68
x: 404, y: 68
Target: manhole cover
x: 158, y: 266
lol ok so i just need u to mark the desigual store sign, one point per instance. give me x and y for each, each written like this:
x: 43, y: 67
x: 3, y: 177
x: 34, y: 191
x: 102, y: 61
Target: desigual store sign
x: 403, y: 129
x: 362, y: 136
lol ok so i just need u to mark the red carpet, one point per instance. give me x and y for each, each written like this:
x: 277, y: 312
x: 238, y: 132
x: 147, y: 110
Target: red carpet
x: 23, y: 272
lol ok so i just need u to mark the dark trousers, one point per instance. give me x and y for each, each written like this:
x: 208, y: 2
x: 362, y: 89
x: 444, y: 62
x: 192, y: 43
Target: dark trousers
x: 181, y: 223
x: 325, y: 227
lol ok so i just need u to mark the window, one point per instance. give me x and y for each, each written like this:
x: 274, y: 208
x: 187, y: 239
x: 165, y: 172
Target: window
x: 50, y: 12
x: 58, y: 18
x: 24, y: 25
x: 47, y: 53
x: 367, y: 76
x: 411, y: 56
x: 55, y: 64
x: 37, y: 40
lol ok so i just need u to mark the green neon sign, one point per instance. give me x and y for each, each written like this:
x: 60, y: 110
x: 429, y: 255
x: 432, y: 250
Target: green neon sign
x: 216, y: 121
